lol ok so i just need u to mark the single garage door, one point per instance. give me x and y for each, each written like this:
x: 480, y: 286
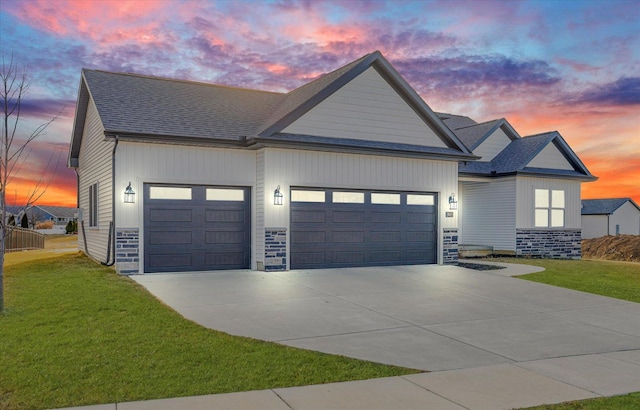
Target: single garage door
x: 196, y: 228
x: 339, y: 228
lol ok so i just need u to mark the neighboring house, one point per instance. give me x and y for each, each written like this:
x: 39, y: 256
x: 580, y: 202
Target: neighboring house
x: 60, y: 215
x: 351, y: 169
x: 614, y: 216
x: 523, y: 196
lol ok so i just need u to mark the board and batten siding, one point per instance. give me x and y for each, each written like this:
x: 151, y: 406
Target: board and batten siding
x: 141, y: 163
x: 367, y: 108
x: 260, y: 199
x: 525, y: 192
x: 493, y: 145
x: 287, y: 168
x: 550, y: 157
x: 488, y: 214
x: 95, y: 167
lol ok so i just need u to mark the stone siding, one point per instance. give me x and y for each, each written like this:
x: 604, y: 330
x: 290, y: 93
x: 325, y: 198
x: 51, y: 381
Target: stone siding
x: 275, y: 249
x: 128, y: 251
x: 450, y: 246
x: 549, y: 243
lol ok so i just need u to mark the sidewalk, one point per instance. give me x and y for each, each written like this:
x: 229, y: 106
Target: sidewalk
x: 503, y: 386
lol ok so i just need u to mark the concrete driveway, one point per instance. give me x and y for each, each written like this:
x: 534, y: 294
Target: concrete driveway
x: 425, y: 317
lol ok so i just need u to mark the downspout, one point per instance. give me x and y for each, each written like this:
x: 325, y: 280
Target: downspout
x: 111, y: 247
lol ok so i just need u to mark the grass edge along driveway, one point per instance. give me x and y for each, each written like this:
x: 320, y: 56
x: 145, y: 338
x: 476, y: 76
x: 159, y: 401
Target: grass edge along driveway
x: 76, y: 333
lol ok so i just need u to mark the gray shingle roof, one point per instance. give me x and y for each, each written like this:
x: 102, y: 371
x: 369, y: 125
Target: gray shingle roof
x: 515, y: 157
x: 455, y: 121
x: 604, y: 206
x: 58, y: 211
x: 136, y: 104
x: 473, y: 135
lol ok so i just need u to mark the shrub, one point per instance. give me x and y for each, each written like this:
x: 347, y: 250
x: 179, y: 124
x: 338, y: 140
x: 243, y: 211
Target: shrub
x: 72, y: 227
x: 44, y: 225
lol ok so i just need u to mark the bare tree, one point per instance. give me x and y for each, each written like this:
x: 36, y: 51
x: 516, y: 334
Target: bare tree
x: 13, y: 81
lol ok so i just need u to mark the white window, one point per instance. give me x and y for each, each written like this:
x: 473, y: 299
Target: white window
x: 93, y: 204
x: 387, y: 199
x: 225, y: 194
x: 549, y: 208
x: 418, y: 199
x: 170, y: 192
x: 340, y: 197
x: 298, y: 195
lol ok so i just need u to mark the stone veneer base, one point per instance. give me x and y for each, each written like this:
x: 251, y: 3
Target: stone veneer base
x: 549, y: 243
x: 128, y: 251
x: 450, y: 246
x: 275, y: 249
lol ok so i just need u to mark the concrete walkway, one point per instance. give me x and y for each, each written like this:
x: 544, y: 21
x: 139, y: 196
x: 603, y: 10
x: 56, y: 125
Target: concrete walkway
x: 490, y: 341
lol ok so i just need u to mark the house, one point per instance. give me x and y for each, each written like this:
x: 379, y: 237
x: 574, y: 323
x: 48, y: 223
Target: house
x: 522, y: 197
x: 351, y: 169
x: 60, y: 215
x: 611, y: 216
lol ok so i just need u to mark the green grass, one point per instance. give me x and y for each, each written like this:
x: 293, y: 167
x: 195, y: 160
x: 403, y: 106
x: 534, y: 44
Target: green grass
x: 619, y: 280
x: 75, y: 333
x: 627, y: 402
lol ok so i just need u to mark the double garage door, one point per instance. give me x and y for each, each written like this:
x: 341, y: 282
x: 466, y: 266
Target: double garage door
x: 341, y: 228
x: 196, y: 228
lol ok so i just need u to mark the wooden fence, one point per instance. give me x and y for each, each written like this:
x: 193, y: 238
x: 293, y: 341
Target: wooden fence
x: 21, y: 239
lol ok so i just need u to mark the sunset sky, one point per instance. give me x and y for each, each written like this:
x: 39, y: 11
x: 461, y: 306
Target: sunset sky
x: 568, y: 65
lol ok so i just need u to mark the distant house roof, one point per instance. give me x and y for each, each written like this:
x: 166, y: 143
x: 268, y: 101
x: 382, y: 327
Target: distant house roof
x: 58, y: 211
x: 517, y: 155
x: 139, y: 107
x: 604, y: 206
x: 455, y: 121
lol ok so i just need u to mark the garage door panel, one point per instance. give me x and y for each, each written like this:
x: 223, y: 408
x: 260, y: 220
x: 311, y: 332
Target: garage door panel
x: 170, y: 215
x: 199, y: 233
x: 386, y: 217
x: 305, y: 237
x: 354, y: 257
x: 347, y: 216
x: 391, y: 231
x: 170, y: 237
x: 309, y: 258
x: 348, y: 237
x: 309, y: 216
x: 170, y: 260
x: 224, y: 237
x: 386, y: 236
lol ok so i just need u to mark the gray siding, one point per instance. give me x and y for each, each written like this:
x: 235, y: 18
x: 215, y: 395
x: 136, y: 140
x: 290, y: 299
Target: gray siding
x: 260, y: 199
x: 493, y: 145
x: 95, y: 166
x: 488, y: 214
x: 550, y: 157
x: 526, y: 207
x: 367, y: 108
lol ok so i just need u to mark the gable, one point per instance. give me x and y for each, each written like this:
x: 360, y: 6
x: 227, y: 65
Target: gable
x: 366, y: 108
x: 492, y: 145
x: 550, y: 158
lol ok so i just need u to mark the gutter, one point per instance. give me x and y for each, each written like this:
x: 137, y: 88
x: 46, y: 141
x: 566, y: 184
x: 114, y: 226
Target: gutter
x: 111, y: 242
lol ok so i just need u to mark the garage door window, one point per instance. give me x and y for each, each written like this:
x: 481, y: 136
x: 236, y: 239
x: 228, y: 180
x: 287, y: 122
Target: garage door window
x: 416, y: 199
x: 348, y: 197
x: 385, y: 199
x: 298, y: 195
x: 218, y: 194
x: 168, y: 192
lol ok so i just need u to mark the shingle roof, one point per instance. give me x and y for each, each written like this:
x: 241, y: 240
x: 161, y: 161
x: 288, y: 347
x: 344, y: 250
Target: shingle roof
x: 137, y: 106
x: 455, y: 121
x: 604, y: 206
x: 473, y: 135
x: 58, y: 211
x: 515, y: 157
x: 150, y: 105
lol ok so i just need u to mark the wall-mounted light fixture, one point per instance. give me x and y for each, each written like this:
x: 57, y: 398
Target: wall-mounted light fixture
x: 129, y: 195
x: 277, y: 196
x: 453, y: 204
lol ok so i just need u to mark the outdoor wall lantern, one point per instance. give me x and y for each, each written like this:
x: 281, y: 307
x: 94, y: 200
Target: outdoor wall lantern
x: 129, y: 195
x: 277, y: 196
x: 453, y: 204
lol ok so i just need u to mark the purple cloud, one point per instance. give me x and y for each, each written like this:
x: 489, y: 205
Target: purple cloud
x: 624, y: 91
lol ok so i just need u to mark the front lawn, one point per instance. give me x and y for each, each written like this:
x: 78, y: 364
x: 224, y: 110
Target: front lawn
x: 75, y: 333
x: 626, y: 402
x: 608, y: 278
